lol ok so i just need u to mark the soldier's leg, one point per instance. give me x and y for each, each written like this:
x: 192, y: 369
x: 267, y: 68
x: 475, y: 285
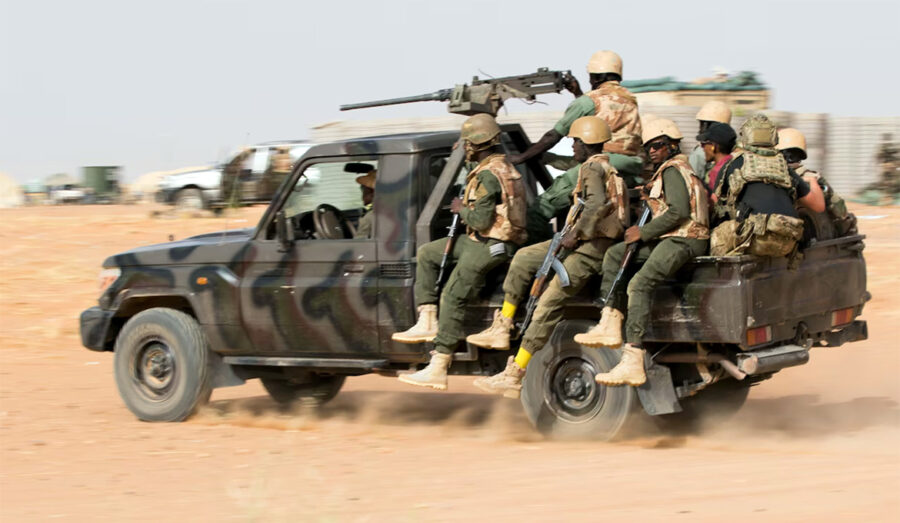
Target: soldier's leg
x: 521, y: 272
x: 475, y: 261
x: 428, y: 263
x: 664, y: 261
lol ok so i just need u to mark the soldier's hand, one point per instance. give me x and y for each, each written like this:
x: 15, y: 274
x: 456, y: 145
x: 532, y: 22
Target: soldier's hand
x: 514, y: 159
x: 571, y: 84
x: 569, y: 241
x: 632, y: 234
x: 455, y: 205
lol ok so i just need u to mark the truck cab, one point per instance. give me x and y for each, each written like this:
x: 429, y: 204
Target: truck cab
x: 301, y: 303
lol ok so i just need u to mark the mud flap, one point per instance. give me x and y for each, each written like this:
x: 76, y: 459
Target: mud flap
x: 657, y: 394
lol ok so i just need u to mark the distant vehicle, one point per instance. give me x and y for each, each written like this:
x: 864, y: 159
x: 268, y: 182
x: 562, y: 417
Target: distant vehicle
x: 69, y: 193
x: 199, y: 189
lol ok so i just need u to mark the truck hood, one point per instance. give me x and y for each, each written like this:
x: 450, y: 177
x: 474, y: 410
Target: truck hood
x: 223, y: 247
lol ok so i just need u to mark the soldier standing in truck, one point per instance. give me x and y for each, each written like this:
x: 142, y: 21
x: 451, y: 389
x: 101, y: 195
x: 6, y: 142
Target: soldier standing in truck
x: 677, y: 232
x: 493, y: 209
x: 611, y: 102
x: 592, y: 230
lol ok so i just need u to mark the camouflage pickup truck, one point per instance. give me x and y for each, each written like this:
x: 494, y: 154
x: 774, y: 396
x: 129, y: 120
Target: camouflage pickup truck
x: 300, y: 304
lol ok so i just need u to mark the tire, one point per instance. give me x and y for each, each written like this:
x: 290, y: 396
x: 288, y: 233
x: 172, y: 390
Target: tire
x: 560, y: 396
x: 189, y: 199
x: 162, y: 365
x: 318, y: 388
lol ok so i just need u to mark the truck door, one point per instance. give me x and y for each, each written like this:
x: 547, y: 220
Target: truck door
x: 318, y: 295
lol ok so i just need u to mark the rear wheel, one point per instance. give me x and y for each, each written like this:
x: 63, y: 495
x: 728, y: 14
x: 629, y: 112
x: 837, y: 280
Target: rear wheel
x: 316, y: 387
x: 560, y: 396
x: 162, y: 365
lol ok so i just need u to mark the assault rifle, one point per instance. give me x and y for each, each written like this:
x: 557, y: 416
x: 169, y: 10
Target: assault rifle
x: 626, y: 259
x: 551, y: 261
x: 484, y: 96
x: 448, y: 247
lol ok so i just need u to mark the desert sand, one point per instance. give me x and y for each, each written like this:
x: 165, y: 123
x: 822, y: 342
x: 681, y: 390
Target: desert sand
x: 818, y: 442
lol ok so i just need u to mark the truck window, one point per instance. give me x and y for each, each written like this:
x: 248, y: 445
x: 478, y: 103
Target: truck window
x: 258, y: 161
x: 328, y: 183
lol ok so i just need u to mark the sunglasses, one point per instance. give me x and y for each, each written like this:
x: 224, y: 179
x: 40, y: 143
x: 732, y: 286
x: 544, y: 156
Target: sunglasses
x: 655, y: 146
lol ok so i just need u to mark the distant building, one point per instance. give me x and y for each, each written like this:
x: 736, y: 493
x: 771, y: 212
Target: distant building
x: 743, y: 92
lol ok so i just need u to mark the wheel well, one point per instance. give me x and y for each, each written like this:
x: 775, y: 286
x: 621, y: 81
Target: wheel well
x: 138, y: 304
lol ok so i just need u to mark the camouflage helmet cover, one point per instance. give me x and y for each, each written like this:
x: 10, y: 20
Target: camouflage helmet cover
x: 591, y: 130
x: 605, y: 62
x: 715, y: 111
x: 660, y: 127
x: 759, y: 131
x: 789, y: 138
x: 479, y: 129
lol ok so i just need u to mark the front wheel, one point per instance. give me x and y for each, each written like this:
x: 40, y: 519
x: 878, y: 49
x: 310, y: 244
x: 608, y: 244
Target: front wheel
x: 189, y: 199
x: 317, y: 388
x: 560, y: 396
x: 162, y: 365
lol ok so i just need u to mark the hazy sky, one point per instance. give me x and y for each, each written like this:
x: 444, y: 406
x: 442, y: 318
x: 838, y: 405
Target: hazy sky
x: 165, y: 84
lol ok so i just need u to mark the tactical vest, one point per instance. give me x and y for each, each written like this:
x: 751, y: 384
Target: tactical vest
x: 509, y: 214
x: 697, y: 225
x: 761, y: 165
x: 612, y: 224
x: 618, y: 107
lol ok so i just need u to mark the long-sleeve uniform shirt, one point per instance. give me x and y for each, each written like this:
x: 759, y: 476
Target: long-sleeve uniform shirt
x: 488, y: 194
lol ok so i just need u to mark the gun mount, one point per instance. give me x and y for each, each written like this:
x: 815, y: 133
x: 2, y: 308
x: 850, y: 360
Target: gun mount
x: 483, y: 96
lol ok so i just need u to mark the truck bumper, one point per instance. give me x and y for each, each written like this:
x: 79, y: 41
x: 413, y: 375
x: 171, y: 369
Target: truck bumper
x: 95, y: 327
x: 856, y: 331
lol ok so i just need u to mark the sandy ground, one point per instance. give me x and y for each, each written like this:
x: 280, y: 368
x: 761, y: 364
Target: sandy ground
x: 818, y: 442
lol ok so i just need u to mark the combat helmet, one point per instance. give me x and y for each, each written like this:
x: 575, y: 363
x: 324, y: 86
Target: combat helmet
x: 759, y: 131
x: 605, y: 62
x: 789, y: 138
x: 590, y: 129
x: 715, y: 111
x: 660, y: 127
x: 480, y: 129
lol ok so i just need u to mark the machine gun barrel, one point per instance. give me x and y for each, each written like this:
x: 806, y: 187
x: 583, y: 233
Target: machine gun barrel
x: 438, y: 96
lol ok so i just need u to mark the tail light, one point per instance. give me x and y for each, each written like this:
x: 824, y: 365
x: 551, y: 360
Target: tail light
x: 759, y: 335
x: 841, y: 316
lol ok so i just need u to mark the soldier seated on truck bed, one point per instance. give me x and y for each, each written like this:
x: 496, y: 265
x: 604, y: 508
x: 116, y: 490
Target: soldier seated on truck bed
x: 493, y: 210
x: 678, y: 232
x: 755, y: 196
x: 792, y: 144
x: 591, y: 231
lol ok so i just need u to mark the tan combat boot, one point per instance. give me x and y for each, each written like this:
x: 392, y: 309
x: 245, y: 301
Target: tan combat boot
x: 494, y: 337
x: 629, y: 371
x: 508, y: 382
x: 434, y: 375
x: 607, y: 333
x: 425, y: 328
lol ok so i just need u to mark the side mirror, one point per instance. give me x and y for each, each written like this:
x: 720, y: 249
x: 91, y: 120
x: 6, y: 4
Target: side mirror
x: 284, y: 231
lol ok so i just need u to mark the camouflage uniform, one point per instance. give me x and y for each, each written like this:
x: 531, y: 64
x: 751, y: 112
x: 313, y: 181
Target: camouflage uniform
x: 494, y: 212
x: 600, y: 223
x: 618, y: 107
x: 279, y: 169
x: 364, y: 228
x: 844, y: 222
x: 678, y: 232
x: 231, y: 182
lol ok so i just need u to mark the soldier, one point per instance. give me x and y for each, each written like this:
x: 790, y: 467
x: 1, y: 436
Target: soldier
x: 493, y: 210
x: 717, y: 142
x: 279, y: 168
x: 611, y: 102
x: 231, y: 177
x: 367, y: 186
x: 792, y: 145
x: 755, y: 197
x: 599, y: 223
x: 710, y: 113
x: 678, y: 232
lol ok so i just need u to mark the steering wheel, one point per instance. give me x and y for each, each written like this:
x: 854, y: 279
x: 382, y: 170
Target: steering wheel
x: 331, y: 224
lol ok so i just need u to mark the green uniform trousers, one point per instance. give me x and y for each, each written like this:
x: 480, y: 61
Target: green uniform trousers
x: 472, y: 260
x: 581, y: 264
x: 659, y: 259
